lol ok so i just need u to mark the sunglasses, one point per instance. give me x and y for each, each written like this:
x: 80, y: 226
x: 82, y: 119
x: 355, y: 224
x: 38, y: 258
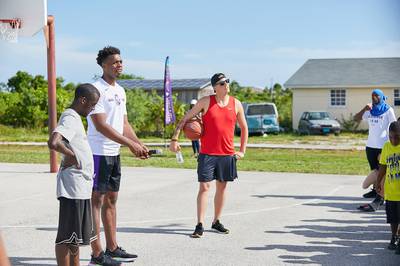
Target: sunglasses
x: 223, y: 82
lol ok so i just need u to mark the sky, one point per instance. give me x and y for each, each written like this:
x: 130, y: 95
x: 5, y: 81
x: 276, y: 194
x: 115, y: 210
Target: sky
x: 256, y: 43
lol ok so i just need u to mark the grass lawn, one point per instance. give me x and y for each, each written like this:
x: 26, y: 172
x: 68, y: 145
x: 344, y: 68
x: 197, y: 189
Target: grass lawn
x: 41, y: 135
x: 275, y: 160
x: 23, y: 134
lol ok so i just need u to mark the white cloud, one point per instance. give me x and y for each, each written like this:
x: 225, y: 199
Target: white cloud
x: 192, y: 56
x: 76, y: 60
x: 147, y: 68
x: 134, y: 44
x: 354, y: 49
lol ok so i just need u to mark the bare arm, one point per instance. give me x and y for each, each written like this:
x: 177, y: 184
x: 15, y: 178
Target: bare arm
x: 380, y: 178
x: 200, y: 106
x: 129, y: 132
x: 3, y: 256
x: 358, y: 117
x: 55, y: 143
x: 244, y: 132
x: 99, y: 121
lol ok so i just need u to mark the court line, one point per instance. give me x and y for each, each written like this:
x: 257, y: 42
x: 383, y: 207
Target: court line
x: 330, y: 193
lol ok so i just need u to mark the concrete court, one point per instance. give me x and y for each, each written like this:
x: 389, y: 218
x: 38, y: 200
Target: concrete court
x: 274, y: 218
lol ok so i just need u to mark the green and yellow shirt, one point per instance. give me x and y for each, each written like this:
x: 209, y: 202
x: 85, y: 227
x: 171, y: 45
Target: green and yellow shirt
x: 390, y: 157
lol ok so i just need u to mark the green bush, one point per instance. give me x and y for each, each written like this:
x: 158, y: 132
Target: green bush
x: 278, y: 95
x: 25, y: 104
x: 349, y: 124
x: 146, y: 113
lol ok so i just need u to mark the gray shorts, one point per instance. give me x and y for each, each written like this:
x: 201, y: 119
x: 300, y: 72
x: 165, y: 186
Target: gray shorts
x: 221, y: 168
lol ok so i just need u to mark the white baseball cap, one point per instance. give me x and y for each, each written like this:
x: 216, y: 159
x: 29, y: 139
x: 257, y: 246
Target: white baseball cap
x: 194, y: 101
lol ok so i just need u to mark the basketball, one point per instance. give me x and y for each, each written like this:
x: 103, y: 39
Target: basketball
x: 193, y: 129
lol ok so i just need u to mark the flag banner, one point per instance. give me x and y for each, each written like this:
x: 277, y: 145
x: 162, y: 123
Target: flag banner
x: 169, y: 114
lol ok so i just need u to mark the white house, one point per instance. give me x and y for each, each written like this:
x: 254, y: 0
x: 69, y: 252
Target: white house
x: 343, y: 86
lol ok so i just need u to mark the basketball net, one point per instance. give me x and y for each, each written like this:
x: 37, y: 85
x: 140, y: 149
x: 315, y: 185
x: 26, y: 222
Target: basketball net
x: 9, y: 29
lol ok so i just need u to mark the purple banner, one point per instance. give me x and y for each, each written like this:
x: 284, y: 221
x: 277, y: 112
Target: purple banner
x: 169, y: 114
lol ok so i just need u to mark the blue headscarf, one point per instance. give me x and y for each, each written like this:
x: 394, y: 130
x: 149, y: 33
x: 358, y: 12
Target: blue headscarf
x: 381, y: 107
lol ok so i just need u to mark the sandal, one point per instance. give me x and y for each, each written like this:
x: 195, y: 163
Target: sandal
x: 366, y: 208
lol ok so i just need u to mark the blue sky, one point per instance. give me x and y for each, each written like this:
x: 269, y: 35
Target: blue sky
x: 253, y: 42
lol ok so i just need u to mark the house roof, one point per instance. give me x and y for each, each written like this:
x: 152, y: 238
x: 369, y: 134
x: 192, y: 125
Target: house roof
x: 349, y: 72
x: 158, y: 84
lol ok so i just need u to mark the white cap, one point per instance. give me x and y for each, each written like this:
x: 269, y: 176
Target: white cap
x: 194, y: 101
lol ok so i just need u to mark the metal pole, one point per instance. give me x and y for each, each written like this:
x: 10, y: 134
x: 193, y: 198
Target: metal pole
x: 51, y: 79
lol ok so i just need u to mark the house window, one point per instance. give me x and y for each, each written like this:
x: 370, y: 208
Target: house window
x: 396, y: 97
x: 194, y: 95
x: 338, y: 97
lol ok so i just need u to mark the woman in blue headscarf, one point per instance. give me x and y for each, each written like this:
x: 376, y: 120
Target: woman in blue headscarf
x: 379, y: 105
x: 379, y: 115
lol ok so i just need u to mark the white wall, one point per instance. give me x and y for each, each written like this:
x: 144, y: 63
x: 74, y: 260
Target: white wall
x: 319, y: 99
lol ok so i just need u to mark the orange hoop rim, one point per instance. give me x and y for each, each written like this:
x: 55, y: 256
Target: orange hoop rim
x: 12, y: 22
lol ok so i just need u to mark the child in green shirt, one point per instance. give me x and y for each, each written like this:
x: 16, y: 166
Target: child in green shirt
x: 389, y: 170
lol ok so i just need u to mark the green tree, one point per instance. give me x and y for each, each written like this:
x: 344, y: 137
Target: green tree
x: 23, y: 80
x: 277, y: 94
x: 26, y: 103
x: 146, y: 112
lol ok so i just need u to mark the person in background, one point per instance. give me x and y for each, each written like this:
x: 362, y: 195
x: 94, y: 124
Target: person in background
x: 195, y: 143
x: 389, y: 172
x: 379, y: 115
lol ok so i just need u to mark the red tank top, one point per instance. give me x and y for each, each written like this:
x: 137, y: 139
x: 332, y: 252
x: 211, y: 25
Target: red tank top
x: 219, y: 128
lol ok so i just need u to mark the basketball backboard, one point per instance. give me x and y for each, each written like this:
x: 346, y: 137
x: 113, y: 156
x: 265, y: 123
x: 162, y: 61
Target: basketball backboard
x: 31, y: 13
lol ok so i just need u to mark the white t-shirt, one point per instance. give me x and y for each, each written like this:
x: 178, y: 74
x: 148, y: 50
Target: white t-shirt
x: 112, y: 102
x: 378, y: 128
x: 75, y: 182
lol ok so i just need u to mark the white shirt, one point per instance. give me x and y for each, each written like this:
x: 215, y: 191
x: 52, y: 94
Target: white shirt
x: 112, y: 102
x: 378, y: 132
x: 75, y: 182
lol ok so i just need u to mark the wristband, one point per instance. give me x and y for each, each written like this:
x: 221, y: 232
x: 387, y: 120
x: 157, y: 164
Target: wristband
x: 174, y: 140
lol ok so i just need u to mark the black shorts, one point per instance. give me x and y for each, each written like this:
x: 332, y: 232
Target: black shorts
x: 75, y: 223
x: 221, y: 168
x: 372, y: 157
x: 393, y: 212
x: 107, y: 173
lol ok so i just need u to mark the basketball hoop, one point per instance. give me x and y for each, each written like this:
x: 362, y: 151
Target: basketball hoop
x: 9, y: 29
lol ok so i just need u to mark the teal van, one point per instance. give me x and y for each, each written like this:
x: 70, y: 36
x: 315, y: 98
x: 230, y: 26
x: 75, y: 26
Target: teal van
x: 261, y: 118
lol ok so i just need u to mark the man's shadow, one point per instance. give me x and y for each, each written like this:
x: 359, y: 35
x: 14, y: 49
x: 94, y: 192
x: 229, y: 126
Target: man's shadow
x: 336, y: 241
x: 168, y: 229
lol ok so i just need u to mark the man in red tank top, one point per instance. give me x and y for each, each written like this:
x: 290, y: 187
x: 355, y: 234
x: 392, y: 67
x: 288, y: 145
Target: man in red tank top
x: 217, y: 159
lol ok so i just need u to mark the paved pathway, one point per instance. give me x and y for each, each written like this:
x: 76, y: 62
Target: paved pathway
x: 274, y: 218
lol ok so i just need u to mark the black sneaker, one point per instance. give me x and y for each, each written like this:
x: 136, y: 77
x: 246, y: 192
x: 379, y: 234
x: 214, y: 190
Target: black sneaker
x: 370, y: 195
x: 398, y: 246
x: 120, y: 254
x: 377, y: 202
x: 220, y: 228
x: 198, y: 231
x: 393, y: 243
x: 103, y: 260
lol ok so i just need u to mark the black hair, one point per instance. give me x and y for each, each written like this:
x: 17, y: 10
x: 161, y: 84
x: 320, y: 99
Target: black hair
x: 395, y: 127
x: 105, y: 52
x: 86, y: 90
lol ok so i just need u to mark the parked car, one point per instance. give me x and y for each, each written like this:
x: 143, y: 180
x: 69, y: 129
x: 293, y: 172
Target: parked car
x: 261, y: 118
x: 318, y: 122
